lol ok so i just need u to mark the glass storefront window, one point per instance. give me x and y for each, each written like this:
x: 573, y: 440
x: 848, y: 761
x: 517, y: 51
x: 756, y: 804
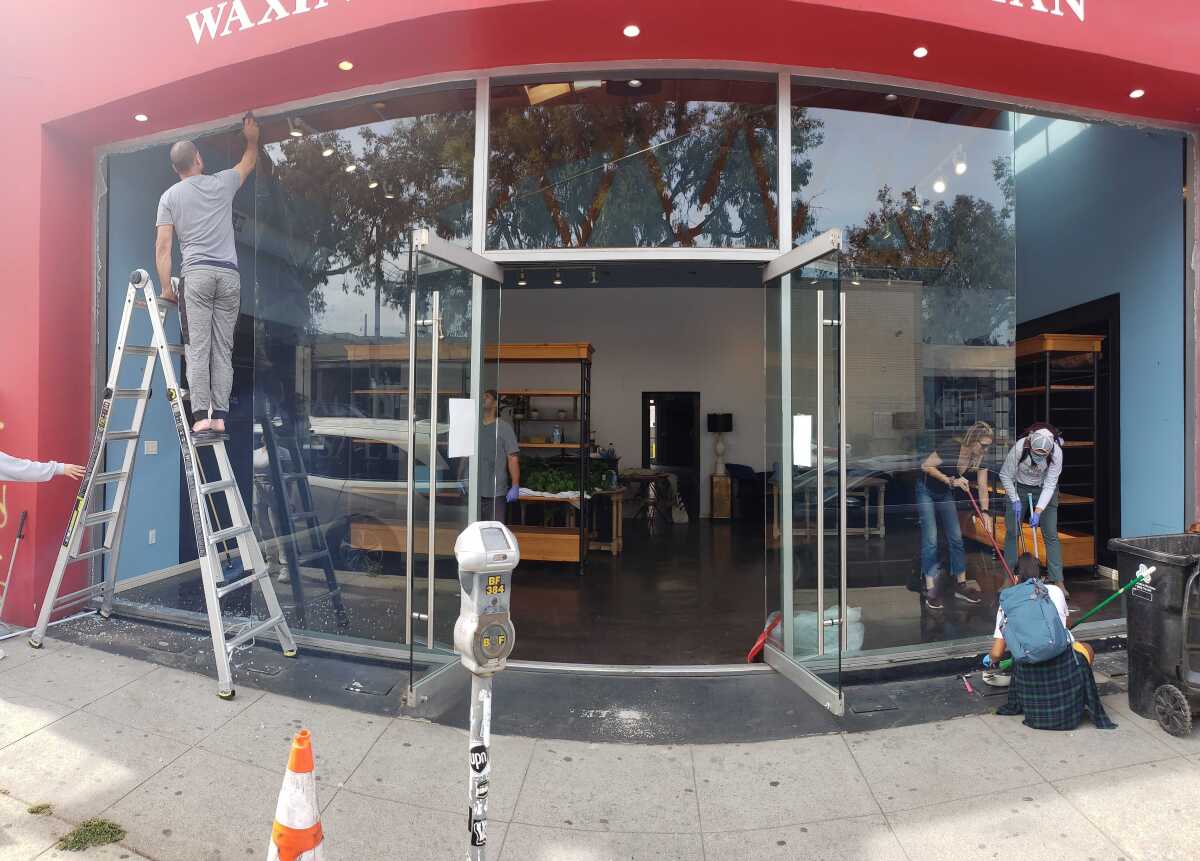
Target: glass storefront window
x: 633, y: 163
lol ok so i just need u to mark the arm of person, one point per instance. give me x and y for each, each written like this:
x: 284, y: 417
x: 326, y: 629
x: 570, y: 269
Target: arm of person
x: 1008, y: 471
x: 997, y: 651
x: 1050, y: 485
x: 514, y: 470
x: 250, y: 157
x: 930, y: 465
x: 985, y: 499
x: 20, y: 469
x: 163, y: 237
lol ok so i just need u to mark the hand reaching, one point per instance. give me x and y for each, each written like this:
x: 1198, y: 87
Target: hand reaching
x: 73, y: 470
x: 961, y: 483
x: 513, y: 493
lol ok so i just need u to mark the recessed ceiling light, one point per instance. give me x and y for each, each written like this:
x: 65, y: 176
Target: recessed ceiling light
x: 521, y: 282
x: 350, y: 168
x: 328, y: 151
x: 557, y: 279
x: 373, y: 184
x: 921, y: 53
x: 939, y: 185
x: 960, y: 167
x: 632, y: 31
x: 1137, y: 94
x: 891, y: 97
x: 294, y: 130
x: 345, y: 65
x: 635, y: 83
x: 141, y: 118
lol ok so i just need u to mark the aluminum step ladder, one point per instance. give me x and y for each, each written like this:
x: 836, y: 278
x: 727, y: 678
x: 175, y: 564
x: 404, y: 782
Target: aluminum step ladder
x: 210, y: 533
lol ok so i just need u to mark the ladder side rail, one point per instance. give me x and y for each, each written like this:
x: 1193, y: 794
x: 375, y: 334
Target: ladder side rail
x: 285, y: 533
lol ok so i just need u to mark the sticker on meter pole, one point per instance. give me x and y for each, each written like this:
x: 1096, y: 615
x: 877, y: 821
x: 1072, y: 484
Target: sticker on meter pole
x: 479, y: 758
x: 478, y: 832
x: 1144, y: 591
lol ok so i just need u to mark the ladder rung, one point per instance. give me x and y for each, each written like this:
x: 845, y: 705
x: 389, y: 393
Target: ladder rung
x: 117, y: 436
x: 138, y: 350
x: 253, y: 632
x: 238, y: 584
x: 99, y: 517
x: 209, y: 439
x: 90, y: 554
x: 309, y: 558
x: 75, y: 597
x: 294, y: 476
x: 108, y: 477
x: 226, y: 534
x: 135, y: 394
x: 163, y: 304
x: 214, y: 486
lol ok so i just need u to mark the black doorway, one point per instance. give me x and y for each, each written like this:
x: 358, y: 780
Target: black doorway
x: 671, y: 441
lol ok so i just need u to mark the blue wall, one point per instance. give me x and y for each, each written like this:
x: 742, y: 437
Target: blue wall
x: 135, y: 182
x: 1100, y: 211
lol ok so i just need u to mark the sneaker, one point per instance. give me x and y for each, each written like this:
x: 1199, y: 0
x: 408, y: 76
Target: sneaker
x: 968, y: 592
x: 996, y: 678
x: 933, y: 601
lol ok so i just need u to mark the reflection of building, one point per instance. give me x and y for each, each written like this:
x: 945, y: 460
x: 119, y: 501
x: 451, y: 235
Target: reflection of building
x: 633, y: 204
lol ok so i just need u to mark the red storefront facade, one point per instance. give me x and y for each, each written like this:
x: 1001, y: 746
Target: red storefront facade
x: 76, y: 74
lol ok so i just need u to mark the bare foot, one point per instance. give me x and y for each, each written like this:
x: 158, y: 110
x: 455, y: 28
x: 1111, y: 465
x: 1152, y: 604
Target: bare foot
x: 218, y: 426
x: 202, y: 426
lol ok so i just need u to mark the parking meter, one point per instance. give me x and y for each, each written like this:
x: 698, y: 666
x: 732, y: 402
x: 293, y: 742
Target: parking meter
x: 484, y: 637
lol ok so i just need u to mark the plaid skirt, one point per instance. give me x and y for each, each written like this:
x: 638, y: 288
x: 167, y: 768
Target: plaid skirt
x: 1055, y: 694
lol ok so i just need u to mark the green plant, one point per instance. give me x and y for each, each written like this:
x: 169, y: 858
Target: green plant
x: 42, y: 809
x: 546, y: 476
x: 92, y: 832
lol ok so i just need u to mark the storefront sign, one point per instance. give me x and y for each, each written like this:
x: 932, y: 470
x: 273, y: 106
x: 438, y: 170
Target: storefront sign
x: 1050, y: 7
x: 234, y: 16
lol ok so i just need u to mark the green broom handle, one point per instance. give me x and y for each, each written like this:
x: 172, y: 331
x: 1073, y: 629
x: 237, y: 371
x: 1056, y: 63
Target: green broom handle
x: 1007, y: 662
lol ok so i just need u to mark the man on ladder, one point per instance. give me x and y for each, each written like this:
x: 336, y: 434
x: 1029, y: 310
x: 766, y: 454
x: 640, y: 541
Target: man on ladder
x: 199, y: 209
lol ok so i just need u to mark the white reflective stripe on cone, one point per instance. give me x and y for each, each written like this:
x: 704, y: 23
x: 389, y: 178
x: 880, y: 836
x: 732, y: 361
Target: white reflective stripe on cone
x: 298, y: 807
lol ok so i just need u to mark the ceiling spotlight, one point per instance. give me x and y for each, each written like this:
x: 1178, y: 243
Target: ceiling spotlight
x: 141, y: 118
x: 345, y: 65
x: 916, y: 207
x: 328, y: 151
x: 854, y: 280
x: 960, y: 167
x: 939, y: 185
x: 293, y: 129
x: 388, y: 193
x: 632, y: 31
x: 891, y: 97
x: 635, y: 83
x: 595, y: 280
x: 350, y: 168
x: 521, y: 282
x: 1137, y: 94
x: 372, y: 183
x: 921, y: 53
x: 557, y: 278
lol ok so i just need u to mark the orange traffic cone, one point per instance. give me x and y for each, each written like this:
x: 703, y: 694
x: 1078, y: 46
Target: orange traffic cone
x: 297, y: 835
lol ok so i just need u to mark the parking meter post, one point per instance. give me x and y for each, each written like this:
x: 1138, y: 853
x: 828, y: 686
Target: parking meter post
x: 484, y: 637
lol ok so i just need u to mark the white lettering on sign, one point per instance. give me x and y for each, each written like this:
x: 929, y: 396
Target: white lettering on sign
x: 232, y: 16
x: 1076, y: 6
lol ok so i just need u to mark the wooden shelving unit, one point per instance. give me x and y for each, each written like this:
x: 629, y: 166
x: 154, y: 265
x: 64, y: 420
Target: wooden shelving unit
x: 555, y: 543
x: 1058, y: 381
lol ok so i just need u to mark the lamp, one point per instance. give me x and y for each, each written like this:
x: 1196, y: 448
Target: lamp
x: 720, y: 424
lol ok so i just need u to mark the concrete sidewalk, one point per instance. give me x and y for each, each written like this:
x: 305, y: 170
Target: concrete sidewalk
x: 190, y: 777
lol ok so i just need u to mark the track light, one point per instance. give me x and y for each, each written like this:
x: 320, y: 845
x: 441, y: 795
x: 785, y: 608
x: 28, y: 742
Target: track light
x: 372, y: 183
x: 939, y: 185
x: 328, y: 150
x: 557, y: 278
x: 294, y: 130
x: 635, y: 83
x: 960, y: 166
x: 350, y: 168
x: 521, y: 282
x: 388, y: 193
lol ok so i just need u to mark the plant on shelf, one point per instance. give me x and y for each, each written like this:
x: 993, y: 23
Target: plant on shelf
x: 546, y: 476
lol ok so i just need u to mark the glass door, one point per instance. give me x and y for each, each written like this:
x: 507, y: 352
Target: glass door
x: 447, y: 306
x: 805, y: 523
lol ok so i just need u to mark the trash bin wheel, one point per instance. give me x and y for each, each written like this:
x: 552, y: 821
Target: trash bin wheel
x: 1173, y: 712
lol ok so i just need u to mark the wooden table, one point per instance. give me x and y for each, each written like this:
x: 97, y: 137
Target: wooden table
x: 860, y: 489
x: 617, y: 496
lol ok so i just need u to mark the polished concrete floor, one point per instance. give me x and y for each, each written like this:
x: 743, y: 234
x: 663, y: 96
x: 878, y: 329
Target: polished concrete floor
x: 682, y: 594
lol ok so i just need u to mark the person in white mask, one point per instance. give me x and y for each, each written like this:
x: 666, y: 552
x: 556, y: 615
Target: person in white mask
x: 1032, y: 469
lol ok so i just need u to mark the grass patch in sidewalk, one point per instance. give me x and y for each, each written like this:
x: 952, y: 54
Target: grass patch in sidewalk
x: 93, y: 832
x: 42, y: 809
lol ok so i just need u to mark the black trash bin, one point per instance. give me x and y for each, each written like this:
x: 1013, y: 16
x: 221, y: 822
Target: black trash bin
x: 1162, y: 649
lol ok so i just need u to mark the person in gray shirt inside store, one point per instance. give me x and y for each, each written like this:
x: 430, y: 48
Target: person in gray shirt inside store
x: 499, y: 464
x: 1031, y: 469
x: 199, y: 210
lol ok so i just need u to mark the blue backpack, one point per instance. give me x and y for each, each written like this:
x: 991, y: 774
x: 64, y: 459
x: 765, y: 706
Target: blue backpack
x: 1032, y: 629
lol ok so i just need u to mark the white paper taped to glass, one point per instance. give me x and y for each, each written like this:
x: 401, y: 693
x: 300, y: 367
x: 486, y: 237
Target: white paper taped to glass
x: 802, y: 454
x: 462, y: 427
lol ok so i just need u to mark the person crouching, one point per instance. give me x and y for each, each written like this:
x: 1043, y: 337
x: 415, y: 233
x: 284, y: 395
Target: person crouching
x: 1052, y: 683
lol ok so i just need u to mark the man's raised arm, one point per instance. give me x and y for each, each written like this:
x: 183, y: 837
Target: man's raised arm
x: 250, y: 157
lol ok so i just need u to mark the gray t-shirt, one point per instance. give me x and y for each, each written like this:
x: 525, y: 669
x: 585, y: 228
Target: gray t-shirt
x: 496, y: 442
x: 200, y: 208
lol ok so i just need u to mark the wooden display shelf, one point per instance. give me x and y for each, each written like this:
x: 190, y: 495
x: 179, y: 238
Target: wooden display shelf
x: 1079, y: 443
x: 392, y: 537
x: 568, y: 352
x: 1059, y: 344
x: 548, y: 444
x: 1078, y: 550
x: 393, y: 391
x: 547, y: 543
x: 540, y: 393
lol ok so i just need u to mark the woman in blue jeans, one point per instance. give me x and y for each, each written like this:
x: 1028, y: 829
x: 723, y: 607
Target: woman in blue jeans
x: 936, y: 505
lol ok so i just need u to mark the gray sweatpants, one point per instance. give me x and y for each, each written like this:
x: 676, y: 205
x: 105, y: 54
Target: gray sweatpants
x: 212, y: 297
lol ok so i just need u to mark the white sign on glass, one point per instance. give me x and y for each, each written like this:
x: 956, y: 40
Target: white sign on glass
x: 462, y: 427
x: 802, y: 440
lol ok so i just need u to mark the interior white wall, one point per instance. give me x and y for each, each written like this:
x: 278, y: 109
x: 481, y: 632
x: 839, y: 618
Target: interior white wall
x: 707, y: 340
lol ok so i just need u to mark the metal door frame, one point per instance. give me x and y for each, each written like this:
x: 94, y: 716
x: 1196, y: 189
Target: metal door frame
x: 783, y: 661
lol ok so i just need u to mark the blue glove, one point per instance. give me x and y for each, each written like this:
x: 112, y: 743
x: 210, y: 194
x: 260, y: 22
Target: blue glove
x: 513, y: 493
x: 1035, y: 519
x: 1016, y: 506
x: 987, y: 661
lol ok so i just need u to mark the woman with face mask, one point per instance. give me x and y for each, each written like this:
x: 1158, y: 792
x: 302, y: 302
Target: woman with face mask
x: 1032, y: 469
